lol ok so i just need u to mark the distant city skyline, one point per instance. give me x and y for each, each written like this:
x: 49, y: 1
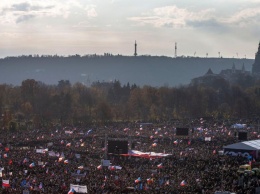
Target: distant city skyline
x: 66, y: 27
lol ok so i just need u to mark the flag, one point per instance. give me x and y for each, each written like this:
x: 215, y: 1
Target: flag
x: 5, y: 183
x: 66, y: 161
x: 7, y: 149
x: 10, y: 162
x: 160, y: 165
x: 68, y: 144
x: 32, y: 165
x: 80, y: 167
x: 183, y: 183
x: 138, y: 180
x: 111, y: 167
x: 149, y: 180
x: 5, y: 155
x: 71, y: 191
x: 89, y: 131
x: 214, y: 151
x: 175, y: 142
x: 154, y: 144
x: 25, y: 160
x: 23, y: 183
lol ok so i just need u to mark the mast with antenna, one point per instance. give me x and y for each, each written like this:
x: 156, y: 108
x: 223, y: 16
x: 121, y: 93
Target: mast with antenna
x: 175, y: 54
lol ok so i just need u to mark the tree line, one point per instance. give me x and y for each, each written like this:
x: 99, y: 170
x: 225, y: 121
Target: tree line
x: 35, y: 103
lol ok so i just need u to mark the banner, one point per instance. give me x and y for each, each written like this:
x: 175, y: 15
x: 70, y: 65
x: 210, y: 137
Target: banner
x: 40, y: 163
x: 52, y: 153
x: 105, y: 162
x: 78, y: 175
x: 41, y: 151
x: 79, y: 188
x: 207, y: 138
x: 49, y: 144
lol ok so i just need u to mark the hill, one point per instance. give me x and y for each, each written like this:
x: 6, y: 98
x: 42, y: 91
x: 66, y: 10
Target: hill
x: 141, y: 70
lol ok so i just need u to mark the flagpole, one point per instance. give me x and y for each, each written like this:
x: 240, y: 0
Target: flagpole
x: 105, y: 155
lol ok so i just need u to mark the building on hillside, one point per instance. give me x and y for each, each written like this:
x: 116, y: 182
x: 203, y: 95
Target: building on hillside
x: 208, y: 79
x: 227, y: 76
x: 233, y: 75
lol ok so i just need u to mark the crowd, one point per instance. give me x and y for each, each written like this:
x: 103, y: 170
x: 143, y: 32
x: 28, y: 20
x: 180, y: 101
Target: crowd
x: 48, y: 160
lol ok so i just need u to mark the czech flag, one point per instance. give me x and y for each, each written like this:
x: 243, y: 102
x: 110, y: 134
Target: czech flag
x: 32, y: 165
x: 60, y: 159
x: 154, y: 144
x: 71, y: 191
x: 66, y: 161
x: 5, y: 155
x: 138, y: 180
x: 68, y: 145
x: 160, y: 165
x: 111, y: 167
x: 149, y: 180
x: 183, y: 183
x: 99, y: 167
x: 5, y: 183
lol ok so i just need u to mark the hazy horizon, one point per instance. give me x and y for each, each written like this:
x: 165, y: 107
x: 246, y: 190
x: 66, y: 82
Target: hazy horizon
x: 206, y: 28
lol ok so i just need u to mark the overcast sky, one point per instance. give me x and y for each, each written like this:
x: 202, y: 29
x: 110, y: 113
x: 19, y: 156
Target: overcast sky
x: 230, y: 28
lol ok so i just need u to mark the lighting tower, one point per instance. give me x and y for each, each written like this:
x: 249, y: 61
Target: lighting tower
x: 135, y: 54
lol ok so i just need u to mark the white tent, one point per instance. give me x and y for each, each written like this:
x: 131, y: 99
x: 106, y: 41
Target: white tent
x: 238, y: 126
x: 244, y: 148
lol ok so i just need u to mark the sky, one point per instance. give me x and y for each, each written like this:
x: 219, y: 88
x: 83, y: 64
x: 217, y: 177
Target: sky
x: 212, y: 28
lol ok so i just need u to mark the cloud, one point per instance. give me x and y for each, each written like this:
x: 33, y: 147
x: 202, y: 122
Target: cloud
x: 24, y: 18
x: 244, y: 17
x: 174, y: 17
x: 22, y: 10
x: 21, y: 7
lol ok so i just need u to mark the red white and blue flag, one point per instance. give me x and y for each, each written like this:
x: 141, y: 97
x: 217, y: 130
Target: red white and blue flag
x: 183, y: 183
x: 5, y: 183
x: 71, y: 191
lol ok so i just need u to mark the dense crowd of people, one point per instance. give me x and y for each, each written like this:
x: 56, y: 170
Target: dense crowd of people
x: 49, y: 160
